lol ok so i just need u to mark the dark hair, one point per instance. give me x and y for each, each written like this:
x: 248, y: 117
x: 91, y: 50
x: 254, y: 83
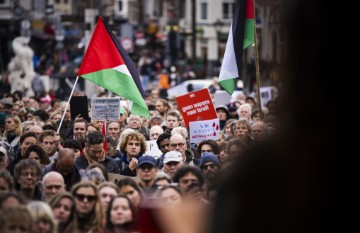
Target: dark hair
x: 42, y: 114
x: 46, y: 133
x: 24, y: 164
x: 213, y: 144
x: 72, y: 144
x: 44, y: 159
x: 186, y: 169
x: 101, y: 167
x: 94, y: 138
x: 131, y: 182
x: 162, y: 137
x: 27, y: 135
x: 5, y: 195
x: 17, y: 213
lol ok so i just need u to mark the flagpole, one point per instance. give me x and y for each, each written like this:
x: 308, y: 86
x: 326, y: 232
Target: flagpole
x: 67, y: 104
x: 257, y: 69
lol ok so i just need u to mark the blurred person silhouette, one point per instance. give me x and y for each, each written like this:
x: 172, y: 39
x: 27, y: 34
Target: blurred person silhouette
x: 301, y: 179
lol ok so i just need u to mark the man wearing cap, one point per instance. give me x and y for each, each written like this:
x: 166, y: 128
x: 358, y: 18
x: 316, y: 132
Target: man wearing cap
x: 173, y: 160
x: 4, y: 159
x: 209, y: 165
x: 233, y: 111
x: 147, y: 171
x: 223, y: 115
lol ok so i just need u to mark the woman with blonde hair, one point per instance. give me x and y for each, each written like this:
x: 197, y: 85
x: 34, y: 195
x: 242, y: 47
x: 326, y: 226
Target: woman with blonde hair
x: 88, y: 207
x: 13, y: 131
x: 63, y: 207
x: 43, y: 217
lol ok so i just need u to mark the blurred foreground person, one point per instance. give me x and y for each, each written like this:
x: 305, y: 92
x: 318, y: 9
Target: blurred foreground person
x: 16, y: 219
x: 300, y: 180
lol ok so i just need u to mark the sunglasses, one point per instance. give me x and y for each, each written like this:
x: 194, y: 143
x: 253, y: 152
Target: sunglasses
x: 81, y: 197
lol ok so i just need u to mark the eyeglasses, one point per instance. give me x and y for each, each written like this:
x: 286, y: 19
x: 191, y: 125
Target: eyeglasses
x: 26, y: 174
x: 81, y: 197
x: 212, y: 166
x: 174, y: 145
x: 165, y: 145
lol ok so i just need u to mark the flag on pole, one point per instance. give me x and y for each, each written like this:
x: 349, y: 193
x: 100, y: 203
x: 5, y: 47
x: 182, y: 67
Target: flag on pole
x: 103, y: 131
x: 241, y: 36
x: 108, y: 65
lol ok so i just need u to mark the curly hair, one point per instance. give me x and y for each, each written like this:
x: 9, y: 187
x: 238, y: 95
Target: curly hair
x: 133, y: 136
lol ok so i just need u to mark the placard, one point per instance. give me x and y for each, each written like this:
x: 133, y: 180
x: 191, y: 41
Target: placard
x: 221, y: 98
x: 202, y: 130
x: 153, y: 149
x: 196, y: 106
x: 79, y: 106
x: 105, y: 108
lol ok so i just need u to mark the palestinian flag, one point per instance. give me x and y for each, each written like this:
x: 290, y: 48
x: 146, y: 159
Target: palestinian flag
x: 241, y: 36
x: 108, y: 65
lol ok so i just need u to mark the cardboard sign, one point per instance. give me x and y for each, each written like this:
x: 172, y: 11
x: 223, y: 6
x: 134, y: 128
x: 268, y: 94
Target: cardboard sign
x: 196, y: 106
x: 116, y: 177
x: 105, y: 108
x: 202, y: 130
x: 153, y: 149
x: 265, y: 95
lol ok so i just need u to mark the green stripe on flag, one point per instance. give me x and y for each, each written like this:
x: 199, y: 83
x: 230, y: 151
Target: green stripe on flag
x: 249, y: 33
x: 228, y: 84
x: 122, y: 85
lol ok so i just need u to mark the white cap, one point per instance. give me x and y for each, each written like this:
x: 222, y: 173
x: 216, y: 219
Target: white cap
x: 173, y: 156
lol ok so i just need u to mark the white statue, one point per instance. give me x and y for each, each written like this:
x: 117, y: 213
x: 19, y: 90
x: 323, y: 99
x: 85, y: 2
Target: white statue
x: 21, y: 68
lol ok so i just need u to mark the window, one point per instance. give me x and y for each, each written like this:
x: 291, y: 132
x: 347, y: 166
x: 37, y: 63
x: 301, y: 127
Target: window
x: 120, y: 6
x: 203, y: 8
x: 228, y: 10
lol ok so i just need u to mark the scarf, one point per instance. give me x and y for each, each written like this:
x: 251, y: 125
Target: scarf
x: 91, y: 160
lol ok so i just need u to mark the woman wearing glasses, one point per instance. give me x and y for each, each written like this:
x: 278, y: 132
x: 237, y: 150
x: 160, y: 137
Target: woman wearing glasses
x: 88, y: 207
x: 27, y: 174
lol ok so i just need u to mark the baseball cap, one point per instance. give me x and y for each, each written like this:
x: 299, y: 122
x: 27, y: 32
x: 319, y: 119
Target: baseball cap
x: 147, y: 159
x: 173, y: 156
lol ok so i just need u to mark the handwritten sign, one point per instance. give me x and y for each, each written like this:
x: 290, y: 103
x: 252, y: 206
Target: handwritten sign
x: 202, y: 130
x: 153, y: 149
x: 105, y: 108
x: 196, y: 106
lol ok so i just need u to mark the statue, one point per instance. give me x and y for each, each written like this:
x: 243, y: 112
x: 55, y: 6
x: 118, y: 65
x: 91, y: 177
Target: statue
x: 21, y: 68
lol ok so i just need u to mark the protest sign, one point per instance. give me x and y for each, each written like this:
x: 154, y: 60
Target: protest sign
x: 196, y: 106
x: 105, y: 108
x: 221, y: 98
x: 153, y: 149
x: 202, y: 130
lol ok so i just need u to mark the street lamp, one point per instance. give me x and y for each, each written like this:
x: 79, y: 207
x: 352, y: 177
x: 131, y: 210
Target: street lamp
x: 218, y: 24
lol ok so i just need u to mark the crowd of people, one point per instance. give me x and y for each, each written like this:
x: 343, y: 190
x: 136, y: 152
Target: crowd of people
x: 62, y: 167
x: 291, y: 167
